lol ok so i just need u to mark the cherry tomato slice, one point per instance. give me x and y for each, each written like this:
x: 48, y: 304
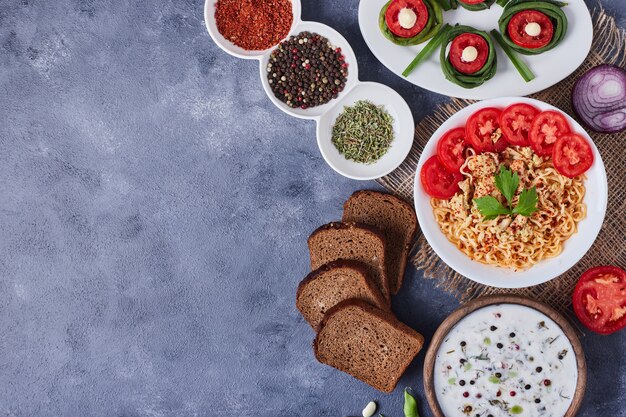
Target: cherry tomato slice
x: 393, y: 11
x: 600, y: 299
x: 515, y: 122
x: 572, y: 155
x: 437, y: 181
x: 483, y: 132
x: 517, y: 29
x: 463, y: 41
x: 451, y: 149
x: 545, y: 130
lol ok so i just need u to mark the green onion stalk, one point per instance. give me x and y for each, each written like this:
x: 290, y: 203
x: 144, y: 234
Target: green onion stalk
x: 518, y: 63
x: 552, y: 9
x: 434, y: 23
x: 472, y: 7
x: 468, y: 80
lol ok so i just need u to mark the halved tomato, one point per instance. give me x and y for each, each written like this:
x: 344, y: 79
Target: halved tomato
x: 416, y: 7
x: 483, y: 132
x: 515, y: 122
x: 437, y: 181
x: 517, y: 29
x: 451, y: 149
x: 572, y: 155
x: 545, y: 130
x: 600, y: 299
x: 457, y: 47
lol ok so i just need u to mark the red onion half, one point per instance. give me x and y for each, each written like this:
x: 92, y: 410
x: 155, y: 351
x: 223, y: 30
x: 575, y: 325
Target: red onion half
x: 599, y: 99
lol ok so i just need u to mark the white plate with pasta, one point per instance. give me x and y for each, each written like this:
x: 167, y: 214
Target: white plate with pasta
x: 511, y: 234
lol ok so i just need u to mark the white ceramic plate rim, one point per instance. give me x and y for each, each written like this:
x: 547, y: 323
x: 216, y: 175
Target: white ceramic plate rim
x: 549, y: 67
x: 573, y: 249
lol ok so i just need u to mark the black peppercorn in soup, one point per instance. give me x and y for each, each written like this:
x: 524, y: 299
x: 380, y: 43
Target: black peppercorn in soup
x: 505, y: 360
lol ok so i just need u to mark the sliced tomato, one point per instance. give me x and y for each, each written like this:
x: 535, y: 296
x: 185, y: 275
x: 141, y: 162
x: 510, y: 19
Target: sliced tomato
x: 572, y: 155
x: 545, y: 130
x: 437, y: 181
x: 483, y: 132
x: 517, y: 29
x: 451, y: 149
x: 393, y: 11
x: 515, y: 122
x: 459, y: 44
x: 599, y: 299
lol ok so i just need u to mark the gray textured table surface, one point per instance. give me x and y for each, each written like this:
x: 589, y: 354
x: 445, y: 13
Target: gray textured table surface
x: 154, y: 209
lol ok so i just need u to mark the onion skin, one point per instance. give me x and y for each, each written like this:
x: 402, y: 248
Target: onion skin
x: 599, y: 99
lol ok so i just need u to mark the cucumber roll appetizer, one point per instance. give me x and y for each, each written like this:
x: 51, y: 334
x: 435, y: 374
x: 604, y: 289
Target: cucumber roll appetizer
x: 410, y: 22
x: 532, y: 27
x: 473, y: 5
x: 472, y: 57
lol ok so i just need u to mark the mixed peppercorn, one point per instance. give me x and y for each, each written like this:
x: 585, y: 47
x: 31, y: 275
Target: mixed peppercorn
x: 306, y: 71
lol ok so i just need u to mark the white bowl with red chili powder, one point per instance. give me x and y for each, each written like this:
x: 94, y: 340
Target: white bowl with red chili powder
x: 248, y: 28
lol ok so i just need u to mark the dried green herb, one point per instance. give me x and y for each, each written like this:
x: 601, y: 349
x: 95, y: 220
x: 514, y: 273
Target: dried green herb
x: 363, y: 132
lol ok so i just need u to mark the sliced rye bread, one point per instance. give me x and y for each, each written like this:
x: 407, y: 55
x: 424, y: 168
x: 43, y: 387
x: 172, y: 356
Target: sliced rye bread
x: 368, y: 343
x: 351, y: 241
x: 332, y: 283
x: 395, y: 218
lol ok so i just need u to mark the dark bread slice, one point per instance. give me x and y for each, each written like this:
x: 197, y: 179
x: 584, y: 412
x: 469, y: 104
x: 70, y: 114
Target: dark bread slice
x: 332, y: 283
x: 368, y: 343
x: 395, y: 218
x: 351, y: 241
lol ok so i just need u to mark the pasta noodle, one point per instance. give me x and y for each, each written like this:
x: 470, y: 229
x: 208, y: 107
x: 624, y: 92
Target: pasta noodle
x: 517, y: 242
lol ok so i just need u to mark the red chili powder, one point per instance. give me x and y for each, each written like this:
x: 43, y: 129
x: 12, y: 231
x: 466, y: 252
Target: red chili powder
x: 254, y: 24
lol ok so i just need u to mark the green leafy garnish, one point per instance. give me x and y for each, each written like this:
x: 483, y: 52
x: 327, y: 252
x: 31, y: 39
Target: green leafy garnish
x: 494, y: 379
x: 410, y: 405
x: 516, y: 409
x: 527, y: 203
x: 490, y: 207
x: 487, y: 341
x: 467, y: 366
x: 507, y: 182
x: 452, y: 381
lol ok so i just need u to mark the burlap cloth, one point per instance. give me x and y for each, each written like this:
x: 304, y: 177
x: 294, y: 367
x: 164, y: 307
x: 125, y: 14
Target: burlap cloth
x: 609, y: 46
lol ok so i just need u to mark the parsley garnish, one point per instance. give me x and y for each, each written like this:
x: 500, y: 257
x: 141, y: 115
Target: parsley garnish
x: 507, y: 182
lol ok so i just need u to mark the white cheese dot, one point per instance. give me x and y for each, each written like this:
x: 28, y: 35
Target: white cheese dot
x: 407, y: 18
x: 469, y: 54
x: 533, y: 29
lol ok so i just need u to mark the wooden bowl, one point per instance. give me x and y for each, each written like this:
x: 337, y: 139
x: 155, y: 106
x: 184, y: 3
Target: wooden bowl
x: 456, y: 316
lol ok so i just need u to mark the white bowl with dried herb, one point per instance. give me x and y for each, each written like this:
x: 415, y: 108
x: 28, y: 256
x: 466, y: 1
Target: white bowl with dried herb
x: 368, y: 133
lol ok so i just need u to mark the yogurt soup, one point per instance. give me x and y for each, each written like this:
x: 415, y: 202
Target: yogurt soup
x: 505, y: 360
